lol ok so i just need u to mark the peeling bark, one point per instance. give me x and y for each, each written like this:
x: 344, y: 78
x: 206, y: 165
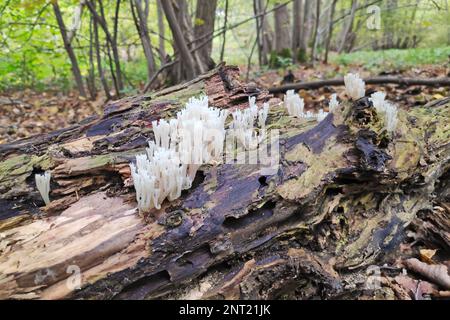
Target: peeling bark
x: 343, y: 196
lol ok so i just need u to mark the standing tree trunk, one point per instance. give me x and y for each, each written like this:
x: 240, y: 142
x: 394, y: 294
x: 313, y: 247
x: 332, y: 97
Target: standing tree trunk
x: 297, y: 26
x: 110, y: 38
x: 305, y: 31
x: 161, y: 31
x: 330, y: 30
x: 204, y: 23
x: 68, y: 46
x: 101, y: 72
x: 316, y: 31
x: 225, y: 24
x: 348, y: 27
x: 91, y: 79
x: 282, y: 31
x: 263, y: 33
x: 187, y: 60
x: 140, y: 19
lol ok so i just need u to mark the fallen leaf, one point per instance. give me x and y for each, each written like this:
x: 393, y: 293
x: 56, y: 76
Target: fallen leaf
x: 426, y: 255
x: 416, y: 288
x: 437, y: 273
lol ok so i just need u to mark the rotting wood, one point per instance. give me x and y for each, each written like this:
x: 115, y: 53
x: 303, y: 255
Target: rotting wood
x: 341, y: 201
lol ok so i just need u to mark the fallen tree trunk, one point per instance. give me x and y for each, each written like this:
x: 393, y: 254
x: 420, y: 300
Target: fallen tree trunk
x: 443, y: 82
x: 340, y: 201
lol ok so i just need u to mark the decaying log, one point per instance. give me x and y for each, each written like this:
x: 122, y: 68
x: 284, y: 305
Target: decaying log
x: 443, y: 82
x: 340, y: 201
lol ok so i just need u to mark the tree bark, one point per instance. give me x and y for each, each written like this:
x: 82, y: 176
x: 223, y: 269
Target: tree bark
x: 297, y: 26
x: 204, y: 22
x: 68, y: 46
x: 306, y: 30
x: 224, y: 36
x: 161, y: 30
x: 316, y: 31
x: 330, y: 30
x: 282, y: 29
x: 348, y: 26
x: 341, y: 200
x: 91, y: 78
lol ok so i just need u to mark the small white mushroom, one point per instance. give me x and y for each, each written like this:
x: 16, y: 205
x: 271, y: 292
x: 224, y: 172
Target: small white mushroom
x: 43, y: 185
x: 354, y: 86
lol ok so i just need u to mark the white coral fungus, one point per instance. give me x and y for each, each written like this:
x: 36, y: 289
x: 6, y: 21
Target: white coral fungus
x: 385, y: 108
x: 354, y: 86
x: 295, y: 107
x: 334, y: 103
x: 243, y: 125
x: 181, y: 146
x: 43, y: 185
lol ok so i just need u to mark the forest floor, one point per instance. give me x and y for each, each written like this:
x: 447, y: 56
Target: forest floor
x: 26, y: 113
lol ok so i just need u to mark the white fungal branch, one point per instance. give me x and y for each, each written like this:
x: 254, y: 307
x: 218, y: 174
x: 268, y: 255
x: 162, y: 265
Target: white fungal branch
x: 354, y: 86
x: 294, y: 104
x: 295, y: 107
x: 334, y: 103
x: 243, y: 124
x: 43, y: 185
x: 385, y: 108
x: 181, y: 146
x: 378, y: 101
x: 390, y: 119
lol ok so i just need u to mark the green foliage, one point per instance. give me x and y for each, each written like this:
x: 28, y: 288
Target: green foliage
x: 283, y: 59
x: 395, y: 58
x: 33, y: 54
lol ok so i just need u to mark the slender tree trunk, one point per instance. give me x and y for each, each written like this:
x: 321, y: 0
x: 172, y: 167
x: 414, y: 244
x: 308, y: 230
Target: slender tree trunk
x: 225, y: 23
x: 67, y: 45
x: 99, y: 62
x: 91, y: 78
x: 316, y: 31
x: 187, y: 59
x: 264, y: 32
x: 348, y: 26
x: 282, y: 29
x: 161, y: 30
x: 140, y: 20
x: 204, y: 22
x: 258, y: 31
x: 330, y: 30
x: 296, y: 28
x: 305, y: 30
x: 111, y: 39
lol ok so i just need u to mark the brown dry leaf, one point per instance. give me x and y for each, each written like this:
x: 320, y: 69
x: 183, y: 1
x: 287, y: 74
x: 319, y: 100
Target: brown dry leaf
x: 436, y: 273
x: 426, y: 255
x: 416, y: 287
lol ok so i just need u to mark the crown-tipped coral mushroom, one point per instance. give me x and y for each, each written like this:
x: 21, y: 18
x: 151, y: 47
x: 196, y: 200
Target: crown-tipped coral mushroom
x: 262, y: 115
x: 294, y: 104
x: 181, y: 146
x: 332, y: 106
x: 43, y: 185
x: 390, y: 118
x: 386, y: 108
x: 295, y: 107
x: 243, y: 124
x: 354, y: 86
x: 378, y: 100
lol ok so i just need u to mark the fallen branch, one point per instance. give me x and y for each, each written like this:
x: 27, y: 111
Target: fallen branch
x: 443, y: 82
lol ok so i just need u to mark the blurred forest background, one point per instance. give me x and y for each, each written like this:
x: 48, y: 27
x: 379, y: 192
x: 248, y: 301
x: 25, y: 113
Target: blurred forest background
x: 62, y: 59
